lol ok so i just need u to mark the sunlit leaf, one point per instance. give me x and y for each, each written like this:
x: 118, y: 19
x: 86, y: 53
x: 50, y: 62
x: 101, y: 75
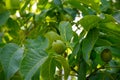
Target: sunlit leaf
x: 65, y: 30
x: 41, y: 16
x: 65, y: 65
x: 42, y: 2
x: 32, y: 61
x: 10, y: 58
x: 12, y: 4
x: 77, y: 5
x: 111, y: 29
x: 113, y: 26
x: 39, y: 43
x: 91, y: 3
x: 48, y: 69
x: 106, y: 18
x: 88, y: 44
x: 25, y: 5
x: 89, y: 21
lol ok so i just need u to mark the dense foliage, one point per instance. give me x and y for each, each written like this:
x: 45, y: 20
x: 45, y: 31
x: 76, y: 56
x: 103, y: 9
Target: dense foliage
x: 59, y: 39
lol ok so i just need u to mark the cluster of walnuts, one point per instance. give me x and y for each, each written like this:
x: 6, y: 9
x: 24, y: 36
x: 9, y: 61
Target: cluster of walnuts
x: 55, y: 42
x: 57, y: 45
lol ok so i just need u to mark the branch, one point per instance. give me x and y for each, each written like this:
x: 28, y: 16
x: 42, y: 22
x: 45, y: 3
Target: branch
x: 74, y: 70
x: 102, y: 67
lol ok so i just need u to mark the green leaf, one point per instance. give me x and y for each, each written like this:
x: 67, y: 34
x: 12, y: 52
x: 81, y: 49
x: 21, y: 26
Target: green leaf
x: 13, y: 24
x: 94, y: 5
x: 12, y: 4
x: 65, y: 65
x: 65, y: 30
x: 88, y: 44
x: 0, y: 50
x: 89, y: 22
x: 38, y: 43
x: 70, y: 12
x: 110, y: 29
x: 71, y: 60
x: 105, y: 5
x: 36, y: 76
x: 32, y: 61
x: 107, y: 18
x: 17, y: 76
x: 1, y: 35
x: 113, y: 26
x: 91, y: 3
x: 82, y: 70
x: 41, y: 17
x: 57, y: 2
x: 98, y: 51
x: 75, y: 38
x: 48, y: 69
x: 103, y: 42
x: 2, y: 6
x: 115, y: 51
x: 101, y: 76
x: 4, y: 17
x: 10, y: 58
x: 2, y: 75
x: 82, y: 35
x: 77, y: 5
x: 76, y: 48
x: 24, y: 6
x: 76, y: 52
x: 116, y: 15
x: 42, y: 2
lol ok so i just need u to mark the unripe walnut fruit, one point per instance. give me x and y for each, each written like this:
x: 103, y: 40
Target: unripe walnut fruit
x: 52, y: 36
x: 106, y: 55
x: 58, y: 46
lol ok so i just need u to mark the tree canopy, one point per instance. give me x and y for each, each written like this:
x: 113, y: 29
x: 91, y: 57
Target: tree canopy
x: 59, y: 39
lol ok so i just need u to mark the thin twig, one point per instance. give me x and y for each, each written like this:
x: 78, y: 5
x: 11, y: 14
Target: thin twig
x: 102, y: 67
x: 74, y: 70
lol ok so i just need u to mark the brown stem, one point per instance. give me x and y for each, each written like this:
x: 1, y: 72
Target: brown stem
x: 74, y: 70
x: 102, y: 67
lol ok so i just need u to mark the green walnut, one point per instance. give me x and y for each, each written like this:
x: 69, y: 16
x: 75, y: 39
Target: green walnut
x: 106, y: 55
x: 52, y: 36
x: 58, y: 46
